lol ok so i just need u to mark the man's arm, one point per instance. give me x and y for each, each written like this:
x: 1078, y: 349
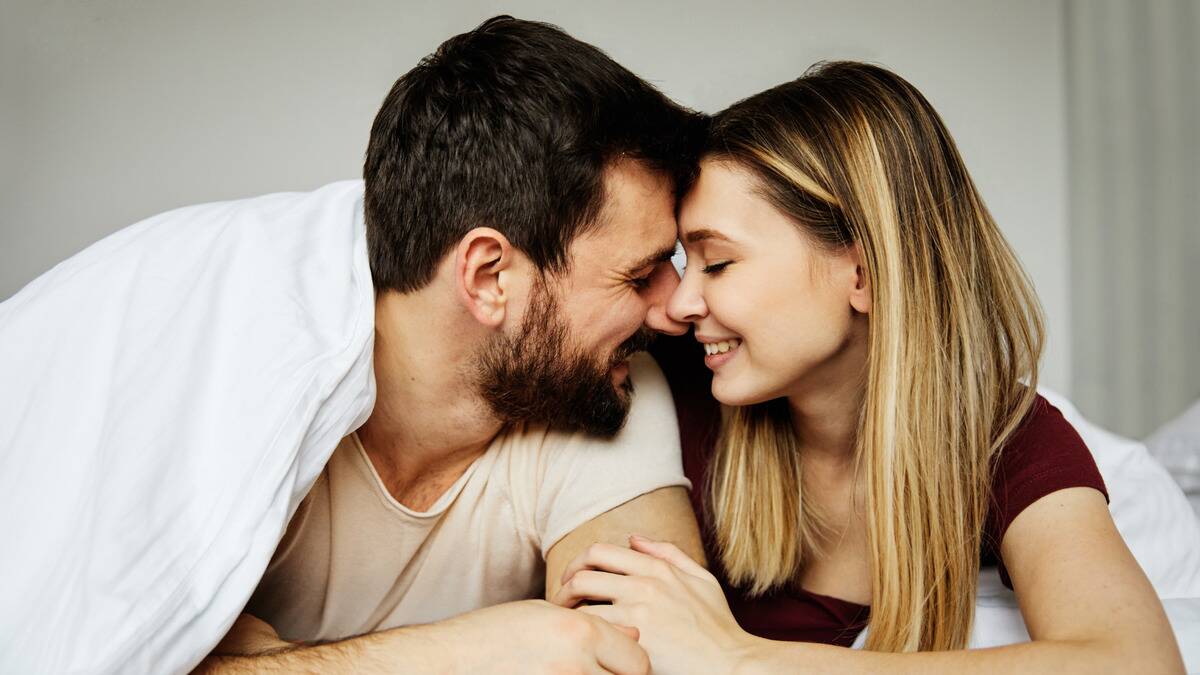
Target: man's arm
x: 663, y: 515
x: 494, y: 633
x: 252, y: 646
x: 532, y: 636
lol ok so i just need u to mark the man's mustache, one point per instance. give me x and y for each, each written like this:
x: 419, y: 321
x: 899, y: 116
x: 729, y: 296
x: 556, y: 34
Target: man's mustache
x: 638, y: 342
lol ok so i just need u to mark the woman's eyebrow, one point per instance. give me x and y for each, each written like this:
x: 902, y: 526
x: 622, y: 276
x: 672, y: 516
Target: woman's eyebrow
x: 704, y: 233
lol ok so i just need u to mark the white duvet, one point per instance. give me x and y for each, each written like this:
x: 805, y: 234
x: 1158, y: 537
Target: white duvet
x: 167, y: 397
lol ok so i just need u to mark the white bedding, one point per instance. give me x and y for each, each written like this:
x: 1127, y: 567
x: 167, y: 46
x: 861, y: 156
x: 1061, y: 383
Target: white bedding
x: 1176, y: 445
x: 167, y: 396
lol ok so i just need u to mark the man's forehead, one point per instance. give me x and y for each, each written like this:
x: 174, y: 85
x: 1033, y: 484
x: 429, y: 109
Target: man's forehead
x: 637, y: 224
x: 629, y: 245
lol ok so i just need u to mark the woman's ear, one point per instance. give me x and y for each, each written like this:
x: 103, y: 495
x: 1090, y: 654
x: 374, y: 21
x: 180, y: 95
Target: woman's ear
x: 482, y: 272
x: 860, y: 292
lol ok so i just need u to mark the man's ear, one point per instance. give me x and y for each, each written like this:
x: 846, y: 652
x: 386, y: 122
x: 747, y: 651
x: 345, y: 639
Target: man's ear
x: 482, y: 274
x: 860, y: 292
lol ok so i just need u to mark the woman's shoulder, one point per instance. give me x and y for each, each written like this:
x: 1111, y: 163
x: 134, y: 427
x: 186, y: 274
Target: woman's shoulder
x: 1043, y: 449
x: 1043, y: 455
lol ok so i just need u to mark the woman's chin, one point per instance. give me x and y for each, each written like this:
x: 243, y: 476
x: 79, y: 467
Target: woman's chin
x: 728, y: 391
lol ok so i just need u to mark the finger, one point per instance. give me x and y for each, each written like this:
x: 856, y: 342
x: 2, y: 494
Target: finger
x: 664, y: 550
x: 593, y: 585
x: 615, y: 615
x: 615, y: 559
x: 632, y: 631
x: 616, y: 651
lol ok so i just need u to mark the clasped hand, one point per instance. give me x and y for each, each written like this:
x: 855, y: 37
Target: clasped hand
x: 678, y: 607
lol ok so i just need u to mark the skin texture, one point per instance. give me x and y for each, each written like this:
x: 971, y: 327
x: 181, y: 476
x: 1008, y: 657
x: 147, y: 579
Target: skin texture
x: 1087, y: 605
x: 619, y: 280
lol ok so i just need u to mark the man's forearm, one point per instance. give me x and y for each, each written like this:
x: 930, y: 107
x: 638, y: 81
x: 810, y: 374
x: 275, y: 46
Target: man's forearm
x: 412, y: 649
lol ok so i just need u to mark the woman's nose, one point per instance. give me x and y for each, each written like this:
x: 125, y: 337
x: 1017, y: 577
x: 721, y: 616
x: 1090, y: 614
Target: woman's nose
x: 686, y: 304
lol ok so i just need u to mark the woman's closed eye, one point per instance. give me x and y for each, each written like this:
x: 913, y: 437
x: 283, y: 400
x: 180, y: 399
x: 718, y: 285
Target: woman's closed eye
x: 716, y: 268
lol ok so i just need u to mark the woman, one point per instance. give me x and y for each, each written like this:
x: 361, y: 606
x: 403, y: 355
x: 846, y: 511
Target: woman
x: 874, y: 345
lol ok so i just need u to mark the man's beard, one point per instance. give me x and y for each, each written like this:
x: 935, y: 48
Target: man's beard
x: 540, y: 376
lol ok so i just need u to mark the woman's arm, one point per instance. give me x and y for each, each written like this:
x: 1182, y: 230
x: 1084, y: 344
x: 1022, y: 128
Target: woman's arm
x: 1086, y: 603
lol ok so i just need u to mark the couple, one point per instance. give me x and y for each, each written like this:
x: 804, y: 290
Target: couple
x: 851, y: 357
x: 853, y: 372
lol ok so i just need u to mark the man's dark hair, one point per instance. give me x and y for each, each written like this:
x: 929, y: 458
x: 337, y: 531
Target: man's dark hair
x: 508, y: 126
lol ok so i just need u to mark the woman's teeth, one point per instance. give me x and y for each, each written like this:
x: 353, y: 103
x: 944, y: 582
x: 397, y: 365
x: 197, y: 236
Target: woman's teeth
x: 711, y: 348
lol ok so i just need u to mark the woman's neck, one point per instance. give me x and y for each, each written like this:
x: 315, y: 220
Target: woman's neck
x: 826, y: 405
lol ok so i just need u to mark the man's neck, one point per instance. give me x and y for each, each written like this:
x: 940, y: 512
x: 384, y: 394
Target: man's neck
x: 428, y: 423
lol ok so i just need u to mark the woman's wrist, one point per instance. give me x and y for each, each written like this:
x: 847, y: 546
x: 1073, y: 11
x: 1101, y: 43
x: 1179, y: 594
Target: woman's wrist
x: 754, y: 656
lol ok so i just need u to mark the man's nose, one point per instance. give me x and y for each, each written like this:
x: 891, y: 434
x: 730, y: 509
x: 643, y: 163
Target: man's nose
x: 662, y: 286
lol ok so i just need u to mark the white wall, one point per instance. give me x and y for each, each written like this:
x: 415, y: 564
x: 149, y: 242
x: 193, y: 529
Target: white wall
x: 113, y: 110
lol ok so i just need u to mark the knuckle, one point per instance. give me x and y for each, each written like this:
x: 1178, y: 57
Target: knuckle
x: 576, y: 627
x: 578, y: 579
x: 649, y: 588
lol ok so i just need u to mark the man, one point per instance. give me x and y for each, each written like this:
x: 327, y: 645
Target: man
x: 519, y: 209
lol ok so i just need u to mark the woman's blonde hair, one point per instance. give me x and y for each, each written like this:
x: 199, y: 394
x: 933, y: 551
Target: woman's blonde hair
x: 854, y: 154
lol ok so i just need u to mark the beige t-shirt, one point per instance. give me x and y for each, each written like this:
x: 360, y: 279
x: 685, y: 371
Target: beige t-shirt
x: 354, y: 560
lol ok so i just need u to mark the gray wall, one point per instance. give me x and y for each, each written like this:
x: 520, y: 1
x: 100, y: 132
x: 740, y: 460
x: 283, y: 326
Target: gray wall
x: 1134, y: 148
x: 113, y: 110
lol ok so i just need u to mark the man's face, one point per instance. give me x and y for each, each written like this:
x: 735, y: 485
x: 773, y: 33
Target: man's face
x: 568, y: 363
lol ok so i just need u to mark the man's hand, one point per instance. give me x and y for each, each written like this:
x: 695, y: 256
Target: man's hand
x: 685, y: 621
x: 532, y: 636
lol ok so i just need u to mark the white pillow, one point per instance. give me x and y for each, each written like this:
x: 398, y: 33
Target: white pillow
x: 167, y: 397
x: 1176, y: 445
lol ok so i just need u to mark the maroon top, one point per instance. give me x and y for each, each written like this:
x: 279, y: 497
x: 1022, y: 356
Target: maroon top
x: 1044, y: 455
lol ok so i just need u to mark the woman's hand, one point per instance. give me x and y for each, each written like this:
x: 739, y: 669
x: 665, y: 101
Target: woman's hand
x: 677, y: 605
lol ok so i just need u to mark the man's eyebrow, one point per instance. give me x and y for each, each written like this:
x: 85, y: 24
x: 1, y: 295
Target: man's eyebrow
x: 705, y: 233
x: 654, y: 259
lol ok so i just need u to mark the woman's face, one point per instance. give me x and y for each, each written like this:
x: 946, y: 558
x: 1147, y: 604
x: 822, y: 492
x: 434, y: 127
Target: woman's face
x: 778, y: 314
